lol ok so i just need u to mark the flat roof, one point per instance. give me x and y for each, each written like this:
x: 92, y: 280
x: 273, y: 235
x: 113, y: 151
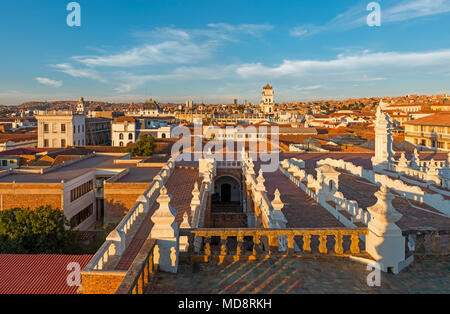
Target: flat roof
x: 80, y: 168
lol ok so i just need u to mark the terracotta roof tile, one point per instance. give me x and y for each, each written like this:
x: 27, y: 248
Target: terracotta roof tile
x: 38, y: 274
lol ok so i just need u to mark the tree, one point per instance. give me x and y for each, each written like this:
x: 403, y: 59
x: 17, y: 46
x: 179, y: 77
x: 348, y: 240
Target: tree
x: 44, y: 230
x: 144, y: 146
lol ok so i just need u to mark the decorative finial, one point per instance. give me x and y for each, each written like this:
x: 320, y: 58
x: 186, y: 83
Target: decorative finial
x: 277, y: 204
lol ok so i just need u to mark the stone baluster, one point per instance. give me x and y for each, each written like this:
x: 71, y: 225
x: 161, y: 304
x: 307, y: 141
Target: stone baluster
x: 354, y: 246
x: 435, y: 243
x: 306, y: 243
x: 291, y: 245
x: 223, y: 245
x: 338, y: 247
x: 240, y: 246
x: 256, y: 245
x: 420, y: 243
x: 323, y: 244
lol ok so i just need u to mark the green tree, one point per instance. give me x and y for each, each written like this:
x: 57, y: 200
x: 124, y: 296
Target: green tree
x: 144, y: 146
x: 41, y: 231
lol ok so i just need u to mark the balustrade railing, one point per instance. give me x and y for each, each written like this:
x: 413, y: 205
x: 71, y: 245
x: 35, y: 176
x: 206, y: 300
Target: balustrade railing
x: 142, y: 270
x: 229, y: 164
x: 111, y: 248
x: 263, y: 243
x: 427, y: 241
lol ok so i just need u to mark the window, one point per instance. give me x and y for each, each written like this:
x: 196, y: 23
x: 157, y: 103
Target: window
x: 74, y: 129
x: 4, y: 163
x: 82, y: 216
x: 82, y: 128
x: 79, y: 129
x: 63, y: 128
x: 63, y: 143
x: 45, y: 128
x: 45, y: 143
x: 130, y: 136
x: 121, y: 144
x: 81, y: 190
x: 121, y: 137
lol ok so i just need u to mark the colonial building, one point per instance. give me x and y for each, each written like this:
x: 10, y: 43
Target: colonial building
x: 431, y: 132
x: 59, y: 129
x: 127, y: 130
x: 150, y: 109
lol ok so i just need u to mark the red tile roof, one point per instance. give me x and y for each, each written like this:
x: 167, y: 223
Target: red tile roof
x: 38, y: 274
x: 440, y: 119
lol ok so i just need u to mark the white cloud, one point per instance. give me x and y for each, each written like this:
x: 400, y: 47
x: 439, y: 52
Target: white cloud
x: 356, y: 16
x: 77, y: 72
x: 307, y: 88
x: 407, y: 10
x: 178, y: 46
x: 168, y: 52
x: 49, y: 82
x: 347, y: 67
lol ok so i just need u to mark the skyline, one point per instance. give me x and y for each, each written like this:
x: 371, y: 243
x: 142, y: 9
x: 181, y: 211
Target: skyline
x: 213, y: 52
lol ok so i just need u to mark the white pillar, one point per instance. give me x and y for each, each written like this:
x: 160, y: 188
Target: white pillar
x: 385, y: 242
x: 383, y: 142
x: 184, y: 241
x: 166, y: 232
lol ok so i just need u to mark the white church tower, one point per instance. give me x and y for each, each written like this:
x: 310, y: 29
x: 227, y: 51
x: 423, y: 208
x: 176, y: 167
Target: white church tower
x: 268, y: 103
x: 383, y: 142
x: 81, y: 107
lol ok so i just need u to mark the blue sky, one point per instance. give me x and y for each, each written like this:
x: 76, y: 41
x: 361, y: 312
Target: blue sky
x: 214, y: 51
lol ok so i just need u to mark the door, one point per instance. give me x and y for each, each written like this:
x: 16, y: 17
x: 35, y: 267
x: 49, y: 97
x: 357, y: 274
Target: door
x: 225, y: 193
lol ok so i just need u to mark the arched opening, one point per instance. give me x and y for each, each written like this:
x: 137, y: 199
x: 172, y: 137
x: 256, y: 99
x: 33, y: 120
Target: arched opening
x: 164, y: 135
x: 227, y: 204
x: 227, y: 190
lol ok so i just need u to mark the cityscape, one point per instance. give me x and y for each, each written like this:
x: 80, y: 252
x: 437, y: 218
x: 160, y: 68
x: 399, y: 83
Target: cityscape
x: 236, y: 152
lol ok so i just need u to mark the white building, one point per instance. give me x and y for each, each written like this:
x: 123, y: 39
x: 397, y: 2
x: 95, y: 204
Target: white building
x: 127, y: 130
x: 59, y: 129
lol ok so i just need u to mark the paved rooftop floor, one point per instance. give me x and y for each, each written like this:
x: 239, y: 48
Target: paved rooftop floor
x: 300, y: 210
x: 302, y: 276
x: 180, y: 186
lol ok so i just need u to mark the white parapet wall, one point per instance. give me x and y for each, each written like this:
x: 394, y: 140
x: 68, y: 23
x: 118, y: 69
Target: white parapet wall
x: 117, y: 240
x: 415, y: 193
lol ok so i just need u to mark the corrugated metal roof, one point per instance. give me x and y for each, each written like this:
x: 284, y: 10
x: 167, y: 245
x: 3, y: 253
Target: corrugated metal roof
x: 38, y: 274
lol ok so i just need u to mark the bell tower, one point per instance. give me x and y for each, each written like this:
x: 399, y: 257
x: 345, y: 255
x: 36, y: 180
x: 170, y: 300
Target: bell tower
x: 81, y: 108
x: 267, y: 102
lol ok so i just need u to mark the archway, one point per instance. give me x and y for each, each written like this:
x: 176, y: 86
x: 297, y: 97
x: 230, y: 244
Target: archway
x: 227, y: 204
x: 227, y: 190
